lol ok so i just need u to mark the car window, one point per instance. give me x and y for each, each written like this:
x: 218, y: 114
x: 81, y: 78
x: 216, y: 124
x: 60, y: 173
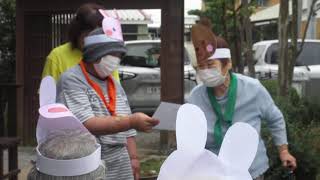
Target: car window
x: 142, y: 55
x: 309, y: 55
x: 146, y: 55
x: 258, y: 52
x: 272, y: 54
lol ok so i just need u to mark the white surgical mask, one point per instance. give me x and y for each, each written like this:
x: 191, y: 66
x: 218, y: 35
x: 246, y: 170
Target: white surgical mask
x: 211, y: 77
x: 107, y: 65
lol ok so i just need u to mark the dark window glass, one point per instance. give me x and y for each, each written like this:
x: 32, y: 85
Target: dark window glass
x: 310, y: 54
x: 146, y: 55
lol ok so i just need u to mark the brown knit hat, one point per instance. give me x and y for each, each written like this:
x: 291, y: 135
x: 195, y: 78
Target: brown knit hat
x: 204, y: 40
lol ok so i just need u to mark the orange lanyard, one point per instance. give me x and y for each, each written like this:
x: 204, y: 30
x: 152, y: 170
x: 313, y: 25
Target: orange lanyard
x: 111, y: 106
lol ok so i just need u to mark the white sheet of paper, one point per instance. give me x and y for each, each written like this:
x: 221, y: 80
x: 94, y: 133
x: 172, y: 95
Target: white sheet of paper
x: 166, y: 113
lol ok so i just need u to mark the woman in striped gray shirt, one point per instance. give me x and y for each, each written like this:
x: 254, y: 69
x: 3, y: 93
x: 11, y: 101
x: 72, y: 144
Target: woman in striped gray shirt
x: 100, y: 103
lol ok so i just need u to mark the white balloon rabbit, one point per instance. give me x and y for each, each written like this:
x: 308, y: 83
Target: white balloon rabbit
x: 52, y: 115
x: 191, y: 161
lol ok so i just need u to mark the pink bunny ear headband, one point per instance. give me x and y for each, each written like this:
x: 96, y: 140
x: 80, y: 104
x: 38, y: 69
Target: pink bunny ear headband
x: 111, y: 25
x: 52, y: 118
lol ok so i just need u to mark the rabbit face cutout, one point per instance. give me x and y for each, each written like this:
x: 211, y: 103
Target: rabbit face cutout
x: 111, y: 26
x: 191, y: 161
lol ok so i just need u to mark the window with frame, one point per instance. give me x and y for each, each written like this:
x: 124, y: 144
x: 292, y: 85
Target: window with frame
x: 262, y: 2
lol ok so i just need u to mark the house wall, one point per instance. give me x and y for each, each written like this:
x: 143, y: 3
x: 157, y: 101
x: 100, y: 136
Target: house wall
x: 272, y: 2
x: 264, y: 2
x: 143, y: 32
x: 261, y: 3
x: 135, y: 32
x: 318, y: 29
x: 303, y: 28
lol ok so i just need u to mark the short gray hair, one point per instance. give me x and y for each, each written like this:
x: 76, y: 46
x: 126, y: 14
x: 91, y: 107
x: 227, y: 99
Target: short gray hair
x: 68, y: 144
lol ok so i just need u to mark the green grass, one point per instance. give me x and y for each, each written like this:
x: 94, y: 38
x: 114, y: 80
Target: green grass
x: 151, y: 167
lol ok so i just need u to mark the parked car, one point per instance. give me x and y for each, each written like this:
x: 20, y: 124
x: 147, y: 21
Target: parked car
x: 140, y: 75
x: 306, y: 77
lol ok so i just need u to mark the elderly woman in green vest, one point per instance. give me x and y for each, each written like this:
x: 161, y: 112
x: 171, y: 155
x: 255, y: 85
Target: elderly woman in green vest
x: 227, y: 98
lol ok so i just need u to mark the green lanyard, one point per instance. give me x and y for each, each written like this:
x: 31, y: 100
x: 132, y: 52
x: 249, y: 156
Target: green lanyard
x: 229, y: 111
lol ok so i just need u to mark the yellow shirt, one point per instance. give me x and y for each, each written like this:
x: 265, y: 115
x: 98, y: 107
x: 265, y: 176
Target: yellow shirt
x: 63, y: 58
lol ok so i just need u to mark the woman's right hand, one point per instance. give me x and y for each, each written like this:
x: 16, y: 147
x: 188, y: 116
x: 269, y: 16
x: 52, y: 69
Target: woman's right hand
x: 142, y: 122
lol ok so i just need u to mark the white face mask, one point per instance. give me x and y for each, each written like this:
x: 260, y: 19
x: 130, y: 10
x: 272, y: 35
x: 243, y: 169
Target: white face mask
x: 106, y: 66
x: 211, y: 77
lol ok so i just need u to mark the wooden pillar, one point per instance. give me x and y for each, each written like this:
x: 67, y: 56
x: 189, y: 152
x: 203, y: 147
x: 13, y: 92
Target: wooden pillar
x: 12, y: 145
x: 172, y: 76
x: 2, y: 119
x: 12, y: 110
x: 13, y: 162
x: 20, y: 65
x: 1, y: 163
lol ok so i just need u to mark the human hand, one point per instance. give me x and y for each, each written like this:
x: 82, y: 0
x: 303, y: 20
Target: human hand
x: 142, y: 122
x: 288, y: 161
x: 135, y: 164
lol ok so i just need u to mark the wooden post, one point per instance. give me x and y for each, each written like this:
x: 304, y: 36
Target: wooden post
x: 12, y: 110
x: 172, y: 49
x: 1, y: 163
x: 20, y: 65
x: 2, y: 119
x: 12, y: 145
x: 13, y: 161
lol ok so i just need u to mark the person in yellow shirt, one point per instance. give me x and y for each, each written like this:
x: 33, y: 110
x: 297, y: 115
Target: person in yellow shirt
x: 67, y: 55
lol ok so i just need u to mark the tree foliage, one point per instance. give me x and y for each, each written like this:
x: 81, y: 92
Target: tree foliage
x: 229, y: 19
x: 303, y: 128
x: 7, y: 40
x: 289, y: 54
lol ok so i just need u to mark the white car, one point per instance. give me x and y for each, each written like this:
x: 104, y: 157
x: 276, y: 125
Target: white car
x: 306, y: 77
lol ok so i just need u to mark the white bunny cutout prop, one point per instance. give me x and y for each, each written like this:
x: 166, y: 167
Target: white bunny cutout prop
x: 52, y: 118
x: 191, y: 161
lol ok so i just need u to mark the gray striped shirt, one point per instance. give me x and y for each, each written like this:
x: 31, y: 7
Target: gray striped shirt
x: 74, y: 91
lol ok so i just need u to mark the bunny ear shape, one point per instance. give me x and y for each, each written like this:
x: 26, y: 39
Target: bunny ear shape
x: 47, y: 91
x: 207, y: 166
x: 103, y: 13
x: 191, y: 129
x: 176, y: 166
x: 239, y: 146
x: 116, y: 14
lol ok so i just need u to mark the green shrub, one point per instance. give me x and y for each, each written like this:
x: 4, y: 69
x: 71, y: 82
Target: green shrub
x: 151, y: 167
x: 303, y: 128
x: 7, y: 40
